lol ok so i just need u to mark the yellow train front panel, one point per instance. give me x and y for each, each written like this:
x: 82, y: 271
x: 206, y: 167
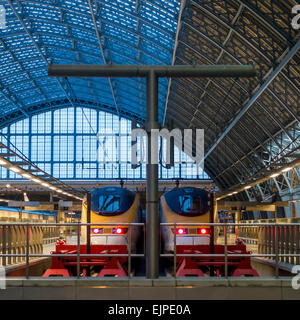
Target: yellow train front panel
x: 117, y: 206
x: 181, y: 206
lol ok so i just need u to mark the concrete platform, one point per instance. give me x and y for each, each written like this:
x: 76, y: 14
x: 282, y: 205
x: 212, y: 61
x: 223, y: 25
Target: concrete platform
x: 37, y: 288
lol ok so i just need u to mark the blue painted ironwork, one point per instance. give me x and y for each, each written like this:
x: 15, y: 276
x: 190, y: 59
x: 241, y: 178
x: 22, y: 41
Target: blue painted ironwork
x: 63, y: 142
x: 41, y: 32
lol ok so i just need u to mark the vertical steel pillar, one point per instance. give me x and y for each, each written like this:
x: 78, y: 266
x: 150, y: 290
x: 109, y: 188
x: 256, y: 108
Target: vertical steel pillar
x: 172, y: 145
x: 212, y: 230
x: 4, y: 245
x: 152, y: 216
x: 21, y: 207
x: 88, y: 229
x: 27, y: 249
x: 133, y: 143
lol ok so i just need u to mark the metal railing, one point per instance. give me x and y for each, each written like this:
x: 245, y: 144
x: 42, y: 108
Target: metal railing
x: 279, y: 244
x: 13, y: 240
x: 27, y: 254
x: 281, y: 247
x: 50, y: 240
x: 264, y: 237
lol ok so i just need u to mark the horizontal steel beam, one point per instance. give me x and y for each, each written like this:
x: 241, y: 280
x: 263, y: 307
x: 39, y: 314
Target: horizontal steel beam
x: 241, y: 187
x: 178, y: 71
x: 243, y: 204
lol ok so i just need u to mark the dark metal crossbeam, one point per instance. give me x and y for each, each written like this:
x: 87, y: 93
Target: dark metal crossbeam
x: 152, y: 73
x: 177, y: 71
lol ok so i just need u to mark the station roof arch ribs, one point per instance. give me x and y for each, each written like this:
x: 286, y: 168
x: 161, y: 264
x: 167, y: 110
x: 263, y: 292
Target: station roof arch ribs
x: 253, y: 124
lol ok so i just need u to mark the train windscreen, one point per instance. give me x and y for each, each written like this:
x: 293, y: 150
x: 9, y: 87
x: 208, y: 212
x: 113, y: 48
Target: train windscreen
x: 190, y: 204
x: 111, y: 201
x: 109, y: 204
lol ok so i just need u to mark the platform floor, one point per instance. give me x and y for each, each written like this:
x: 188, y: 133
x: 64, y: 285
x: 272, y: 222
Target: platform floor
x: 144, y: 289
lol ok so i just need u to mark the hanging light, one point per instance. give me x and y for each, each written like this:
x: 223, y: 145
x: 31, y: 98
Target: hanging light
x: 274, y: 175
x: 3, y: 162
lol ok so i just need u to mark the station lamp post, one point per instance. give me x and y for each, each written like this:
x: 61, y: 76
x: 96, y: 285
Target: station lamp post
x: 152, y: 74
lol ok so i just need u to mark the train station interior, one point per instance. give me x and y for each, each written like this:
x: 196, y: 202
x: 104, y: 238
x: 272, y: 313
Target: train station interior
x: 150, y: 150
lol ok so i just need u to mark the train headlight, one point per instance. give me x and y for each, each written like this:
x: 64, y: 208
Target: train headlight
x: 181, y: 231
x: 119, y: 230
x: 97, y: 230
x: 203, y: 231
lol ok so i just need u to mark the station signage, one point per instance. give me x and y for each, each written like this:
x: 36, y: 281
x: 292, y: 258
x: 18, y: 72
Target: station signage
x: 65, y: 204
x: 17, y: 204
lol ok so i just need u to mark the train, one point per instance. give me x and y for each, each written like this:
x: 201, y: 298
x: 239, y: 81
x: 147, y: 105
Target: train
x: 112, y: 205
x: 119, y: 205
x: 180, y: 206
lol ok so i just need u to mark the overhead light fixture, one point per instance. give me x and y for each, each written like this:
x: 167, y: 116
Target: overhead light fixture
x: 230, y: 194
x: 287, y: 169
x: 25, y: 196
x: 274, y: 175
x: 235, y: 192
x: 45, y: 184
x: 3, y: 162
x: 247, y: 188
x: 12, y: 166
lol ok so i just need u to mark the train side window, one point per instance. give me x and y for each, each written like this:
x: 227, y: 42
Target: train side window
x: 109, y: 204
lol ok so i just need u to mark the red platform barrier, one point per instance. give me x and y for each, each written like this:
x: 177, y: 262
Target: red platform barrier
x: 66, y: 266
x: 237, y: 266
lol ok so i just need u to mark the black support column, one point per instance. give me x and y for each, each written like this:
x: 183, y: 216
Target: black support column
x: 212, y: 228
x: 152, y: 216
x: 88, y: 228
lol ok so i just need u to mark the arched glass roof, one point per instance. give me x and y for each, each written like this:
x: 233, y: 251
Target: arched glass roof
x: 96, y: 32
x: 265, y: 111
